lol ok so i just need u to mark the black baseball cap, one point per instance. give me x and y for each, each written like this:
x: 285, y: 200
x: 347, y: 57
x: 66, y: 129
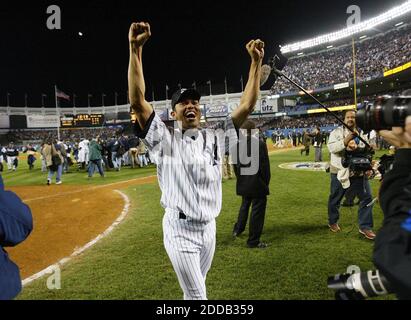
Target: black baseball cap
x: 182, y: 94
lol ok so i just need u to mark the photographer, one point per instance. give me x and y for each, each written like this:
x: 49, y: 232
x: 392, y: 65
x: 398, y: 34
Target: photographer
x: 392, y: 255
x: 16, y: 223
x: 340, y: 141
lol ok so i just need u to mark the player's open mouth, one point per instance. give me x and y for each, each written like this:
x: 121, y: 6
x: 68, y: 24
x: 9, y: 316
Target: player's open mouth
x: 190, y: 115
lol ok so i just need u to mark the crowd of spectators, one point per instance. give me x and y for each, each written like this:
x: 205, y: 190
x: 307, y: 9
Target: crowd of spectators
x: 65, y: 134
x: 373, y: 57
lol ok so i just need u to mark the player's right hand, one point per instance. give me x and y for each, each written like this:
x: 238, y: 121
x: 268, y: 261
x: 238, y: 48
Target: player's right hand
x: 399, y: 137
x: 139, y: 33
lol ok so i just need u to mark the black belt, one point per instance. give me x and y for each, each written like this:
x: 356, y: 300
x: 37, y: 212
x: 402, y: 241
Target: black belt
x: 182, y: 216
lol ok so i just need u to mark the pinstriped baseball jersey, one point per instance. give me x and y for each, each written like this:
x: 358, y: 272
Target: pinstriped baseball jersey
x: 189, y: 173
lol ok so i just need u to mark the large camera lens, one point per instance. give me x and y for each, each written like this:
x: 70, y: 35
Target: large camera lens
x: 384, y: 114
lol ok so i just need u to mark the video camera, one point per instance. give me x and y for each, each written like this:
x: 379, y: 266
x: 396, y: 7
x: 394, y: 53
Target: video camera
x: 386, y: 112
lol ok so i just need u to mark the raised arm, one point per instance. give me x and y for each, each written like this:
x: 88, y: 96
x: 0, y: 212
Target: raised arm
x: 138, y: 35
x: 251, y: 93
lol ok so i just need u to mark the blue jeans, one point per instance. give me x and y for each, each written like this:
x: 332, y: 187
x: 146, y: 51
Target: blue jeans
x: 59, y: 173
x: 92, y: 167
x: 116, y: 161
x: 359, y: 186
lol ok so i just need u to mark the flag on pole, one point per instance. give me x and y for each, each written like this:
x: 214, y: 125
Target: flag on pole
x: 60, y: 94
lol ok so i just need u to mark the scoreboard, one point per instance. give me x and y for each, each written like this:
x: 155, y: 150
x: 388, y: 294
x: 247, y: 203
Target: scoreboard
x: 83, y: 121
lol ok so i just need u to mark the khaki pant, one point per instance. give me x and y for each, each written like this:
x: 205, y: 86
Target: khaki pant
x: 227, y: 168
x: 133, y: 157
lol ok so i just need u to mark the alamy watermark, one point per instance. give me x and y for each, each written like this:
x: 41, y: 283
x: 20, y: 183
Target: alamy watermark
x: 355, y: 17
x: 54, y: 281
x: 54, y: 20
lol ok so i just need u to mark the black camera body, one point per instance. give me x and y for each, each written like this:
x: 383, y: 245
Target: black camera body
x: 358, y: 161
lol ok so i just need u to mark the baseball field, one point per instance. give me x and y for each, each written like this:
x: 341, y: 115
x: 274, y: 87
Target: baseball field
x: 106, y: 237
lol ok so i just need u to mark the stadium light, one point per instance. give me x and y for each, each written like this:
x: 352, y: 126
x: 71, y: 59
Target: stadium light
x: 330, y: 46
x: 363, y: 37
x: 399, y: 24
x: 350, y: 31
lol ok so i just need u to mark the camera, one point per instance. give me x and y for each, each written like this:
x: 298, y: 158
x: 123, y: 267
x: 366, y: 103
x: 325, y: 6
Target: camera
x: 358, y: 161
x: 359, y: 286
x: 386, y: 112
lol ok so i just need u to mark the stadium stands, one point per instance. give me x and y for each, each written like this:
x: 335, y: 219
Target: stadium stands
x: 373, y: 57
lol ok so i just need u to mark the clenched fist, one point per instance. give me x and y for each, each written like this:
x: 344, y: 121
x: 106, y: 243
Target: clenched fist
x: 255, y: 49
x: 139, y: 34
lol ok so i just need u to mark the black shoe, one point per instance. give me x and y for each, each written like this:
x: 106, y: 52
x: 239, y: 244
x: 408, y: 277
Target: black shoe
x: 260, y: 245
x: 236, y: 234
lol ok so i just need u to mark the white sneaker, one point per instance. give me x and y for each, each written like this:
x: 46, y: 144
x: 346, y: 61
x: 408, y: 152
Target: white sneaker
x: 58, y: 182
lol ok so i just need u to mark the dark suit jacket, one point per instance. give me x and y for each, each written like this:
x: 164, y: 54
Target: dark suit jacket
x: 257, y: 185
x: 16, y: 223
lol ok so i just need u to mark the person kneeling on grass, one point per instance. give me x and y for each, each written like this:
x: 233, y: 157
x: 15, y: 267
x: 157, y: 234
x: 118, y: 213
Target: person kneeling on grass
x: 16, y: 224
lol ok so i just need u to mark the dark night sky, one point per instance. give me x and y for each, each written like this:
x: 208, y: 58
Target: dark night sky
x: 197, y: 40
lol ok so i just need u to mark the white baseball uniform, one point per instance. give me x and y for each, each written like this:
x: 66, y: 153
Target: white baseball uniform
x: 189, y: 175
x: 83, y: 152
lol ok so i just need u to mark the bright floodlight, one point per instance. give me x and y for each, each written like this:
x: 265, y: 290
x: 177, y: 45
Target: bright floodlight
x: 348, y: 32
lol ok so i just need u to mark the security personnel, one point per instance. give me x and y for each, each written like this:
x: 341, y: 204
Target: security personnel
x: 253, y: 188
x: 16, y: 223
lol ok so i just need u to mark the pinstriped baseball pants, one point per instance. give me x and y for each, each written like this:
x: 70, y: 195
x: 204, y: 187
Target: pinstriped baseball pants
x: 190, y: 246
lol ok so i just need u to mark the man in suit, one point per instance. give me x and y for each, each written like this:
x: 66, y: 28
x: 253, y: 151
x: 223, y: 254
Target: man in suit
x: 253, y: 188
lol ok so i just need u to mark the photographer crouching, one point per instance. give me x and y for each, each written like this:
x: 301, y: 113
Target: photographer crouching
x: 344, y: 176
x: 392, y: 251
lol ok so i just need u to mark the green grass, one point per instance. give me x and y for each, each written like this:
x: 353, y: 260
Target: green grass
x: 131, y: 263
x: 24, y: 177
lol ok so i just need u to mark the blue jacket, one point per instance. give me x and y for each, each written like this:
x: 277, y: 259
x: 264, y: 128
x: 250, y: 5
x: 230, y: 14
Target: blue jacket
x: 16, y: 223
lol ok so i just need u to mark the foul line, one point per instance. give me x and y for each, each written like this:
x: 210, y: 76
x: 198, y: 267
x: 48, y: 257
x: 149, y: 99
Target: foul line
x: 77, y: 252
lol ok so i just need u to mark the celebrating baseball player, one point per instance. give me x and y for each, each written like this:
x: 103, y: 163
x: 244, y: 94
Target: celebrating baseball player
x: 188, y: 166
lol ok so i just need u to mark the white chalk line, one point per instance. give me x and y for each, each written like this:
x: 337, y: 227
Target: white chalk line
x: 87, y: 189
x: 79, y: 251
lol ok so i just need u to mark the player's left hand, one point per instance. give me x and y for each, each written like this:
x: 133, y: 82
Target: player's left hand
x: 255, y: 49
